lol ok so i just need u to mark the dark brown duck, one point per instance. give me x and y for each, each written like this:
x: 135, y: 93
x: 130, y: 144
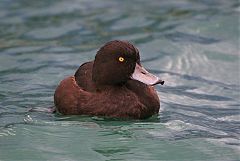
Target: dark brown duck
x: 113, y: 85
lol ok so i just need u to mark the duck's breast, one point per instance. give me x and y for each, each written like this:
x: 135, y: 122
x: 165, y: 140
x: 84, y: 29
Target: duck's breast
x: 147, y: 95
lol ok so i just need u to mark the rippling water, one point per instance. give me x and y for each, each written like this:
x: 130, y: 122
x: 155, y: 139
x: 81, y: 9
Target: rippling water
x: 192, y: 45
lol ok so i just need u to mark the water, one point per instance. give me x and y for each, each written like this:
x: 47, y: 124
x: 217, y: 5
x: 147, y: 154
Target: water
x: 192, y: 45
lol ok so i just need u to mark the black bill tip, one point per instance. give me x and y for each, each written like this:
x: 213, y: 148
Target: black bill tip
x: 159, y: 82
x: 162, y: 82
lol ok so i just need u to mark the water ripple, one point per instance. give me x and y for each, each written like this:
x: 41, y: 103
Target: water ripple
x: 183, y: 37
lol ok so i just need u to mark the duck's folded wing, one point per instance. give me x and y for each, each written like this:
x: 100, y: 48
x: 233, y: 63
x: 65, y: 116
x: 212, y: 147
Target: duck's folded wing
x: 67, y: 94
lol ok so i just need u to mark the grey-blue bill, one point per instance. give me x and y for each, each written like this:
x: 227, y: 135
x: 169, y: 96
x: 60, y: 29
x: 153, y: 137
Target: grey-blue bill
x: 142, y: 75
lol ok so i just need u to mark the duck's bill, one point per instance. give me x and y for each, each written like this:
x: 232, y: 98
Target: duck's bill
x: 145, y: 77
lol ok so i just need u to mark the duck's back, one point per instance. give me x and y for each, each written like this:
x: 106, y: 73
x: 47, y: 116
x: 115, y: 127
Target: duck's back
x: 83, y: 77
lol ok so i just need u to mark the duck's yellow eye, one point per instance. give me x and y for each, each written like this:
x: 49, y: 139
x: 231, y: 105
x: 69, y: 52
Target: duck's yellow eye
x: 121, y: 59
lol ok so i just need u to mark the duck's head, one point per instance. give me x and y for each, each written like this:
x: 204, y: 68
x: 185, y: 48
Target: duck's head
x: 119, y: 61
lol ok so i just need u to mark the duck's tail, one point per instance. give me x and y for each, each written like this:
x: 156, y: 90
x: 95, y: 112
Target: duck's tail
x: 51, y: 109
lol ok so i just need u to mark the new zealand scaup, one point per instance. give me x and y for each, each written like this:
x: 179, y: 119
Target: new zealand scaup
x: 113, y: 85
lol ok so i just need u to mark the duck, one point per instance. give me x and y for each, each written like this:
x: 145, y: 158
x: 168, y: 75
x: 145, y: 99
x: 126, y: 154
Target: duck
x: 114, y: 85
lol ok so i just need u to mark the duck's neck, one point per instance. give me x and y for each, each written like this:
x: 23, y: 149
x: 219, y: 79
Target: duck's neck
x: 106, y: 87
